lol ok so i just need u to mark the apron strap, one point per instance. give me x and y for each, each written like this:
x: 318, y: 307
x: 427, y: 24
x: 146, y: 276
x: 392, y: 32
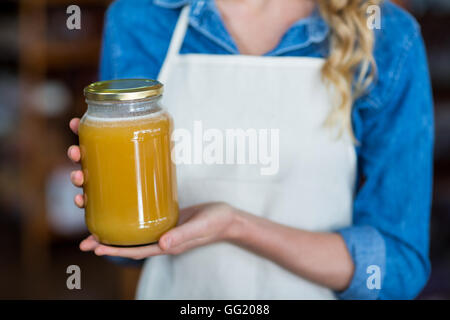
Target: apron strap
x: 175, y: 43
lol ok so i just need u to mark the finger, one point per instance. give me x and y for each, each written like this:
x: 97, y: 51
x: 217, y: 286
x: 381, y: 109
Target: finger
x: 89, y: 244
x: 79, y: 200
x: 185, y: 246
x: 74, y: 153
x: 180, y: 234
x: 74, y: 124
x: 136, y: 253
x: 77, y: 178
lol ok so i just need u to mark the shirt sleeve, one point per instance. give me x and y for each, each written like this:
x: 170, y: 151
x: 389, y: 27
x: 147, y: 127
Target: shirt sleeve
x: 390, y: 231
x: 136, y: 37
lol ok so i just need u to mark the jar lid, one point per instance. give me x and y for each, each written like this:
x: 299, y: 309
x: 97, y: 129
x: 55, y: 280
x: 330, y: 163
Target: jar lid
x: 123, y: 89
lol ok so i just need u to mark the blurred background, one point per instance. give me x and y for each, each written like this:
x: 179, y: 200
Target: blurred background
x: 44, y: 67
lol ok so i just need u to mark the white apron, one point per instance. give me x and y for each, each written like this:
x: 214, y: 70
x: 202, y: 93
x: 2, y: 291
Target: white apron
x: 313, y: 189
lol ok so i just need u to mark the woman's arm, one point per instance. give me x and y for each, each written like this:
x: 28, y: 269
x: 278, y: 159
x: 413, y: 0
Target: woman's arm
x: 317, y: 256
x: 391, y: 210
x: 321, y: 257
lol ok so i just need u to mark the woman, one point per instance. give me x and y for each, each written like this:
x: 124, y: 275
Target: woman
x: 347, y: 213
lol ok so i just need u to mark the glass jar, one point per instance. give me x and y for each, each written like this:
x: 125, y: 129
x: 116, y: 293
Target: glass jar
x: 129, y: 178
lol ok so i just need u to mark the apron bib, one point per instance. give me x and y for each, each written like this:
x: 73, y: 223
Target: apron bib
x: 312, y: 189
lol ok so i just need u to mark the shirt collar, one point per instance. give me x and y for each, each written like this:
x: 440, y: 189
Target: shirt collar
x: 205, y: 17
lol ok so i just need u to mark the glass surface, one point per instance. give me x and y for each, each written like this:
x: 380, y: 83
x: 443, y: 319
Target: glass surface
x: 130, y: 182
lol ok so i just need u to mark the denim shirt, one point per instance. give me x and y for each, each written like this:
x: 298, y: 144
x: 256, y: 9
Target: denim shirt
x: 393, y: 123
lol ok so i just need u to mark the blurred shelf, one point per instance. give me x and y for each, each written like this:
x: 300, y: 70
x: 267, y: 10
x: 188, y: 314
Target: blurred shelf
x: 46, y: 48
x: 62, y: 55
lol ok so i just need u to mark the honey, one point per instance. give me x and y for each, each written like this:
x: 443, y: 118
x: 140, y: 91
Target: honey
x: 129, y: 178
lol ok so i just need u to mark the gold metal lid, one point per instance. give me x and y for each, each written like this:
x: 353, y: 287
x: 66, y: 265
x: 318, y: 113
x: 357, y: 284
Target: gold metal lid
x: 123, y: 90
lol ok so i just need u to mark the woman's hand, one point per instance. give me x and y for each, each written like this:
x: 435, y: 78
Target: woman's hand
x: 199, y: 225
x: 74, y: 154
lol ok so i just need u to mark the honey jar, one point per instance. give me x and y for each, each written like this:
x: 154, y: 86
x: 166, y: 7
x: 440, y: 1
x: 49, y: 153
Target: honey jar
x: 129, y: 179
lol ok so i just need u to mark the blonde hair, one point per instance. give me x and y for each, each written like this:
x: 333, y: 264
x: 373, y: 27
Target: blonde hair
x: 351, y: 55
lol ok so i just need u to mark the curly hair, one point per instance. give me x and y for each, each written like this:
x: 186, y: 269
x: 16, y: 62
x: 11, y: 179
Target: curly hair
x: 350, y: 66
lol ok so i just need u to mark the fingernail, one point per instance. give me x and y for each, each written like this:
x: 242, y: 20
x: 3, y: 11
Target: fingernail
x: 72, y: 175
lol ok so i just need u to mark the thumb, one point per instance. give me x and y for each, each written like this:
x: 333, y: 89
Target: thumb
x: 181, y: 234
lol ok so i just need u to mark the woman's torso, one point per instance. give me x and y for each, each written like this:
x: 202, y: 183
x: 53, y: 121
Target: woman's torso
x: 293, y: 169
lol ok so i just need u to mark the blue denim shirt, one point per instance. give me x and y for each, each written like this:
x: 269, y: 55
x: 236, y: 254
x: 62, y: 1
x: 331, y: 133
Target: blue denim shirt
x: 393, y: 123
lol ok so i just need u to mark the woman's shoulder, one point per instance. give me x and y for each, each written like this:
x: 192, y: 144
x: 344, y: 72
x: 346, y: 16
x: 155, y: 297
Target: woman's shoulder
x: 395, y: 16
x: 396, y: 27
x: 136, y: 37
x: 397, y: 37
x: 141, y: 17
